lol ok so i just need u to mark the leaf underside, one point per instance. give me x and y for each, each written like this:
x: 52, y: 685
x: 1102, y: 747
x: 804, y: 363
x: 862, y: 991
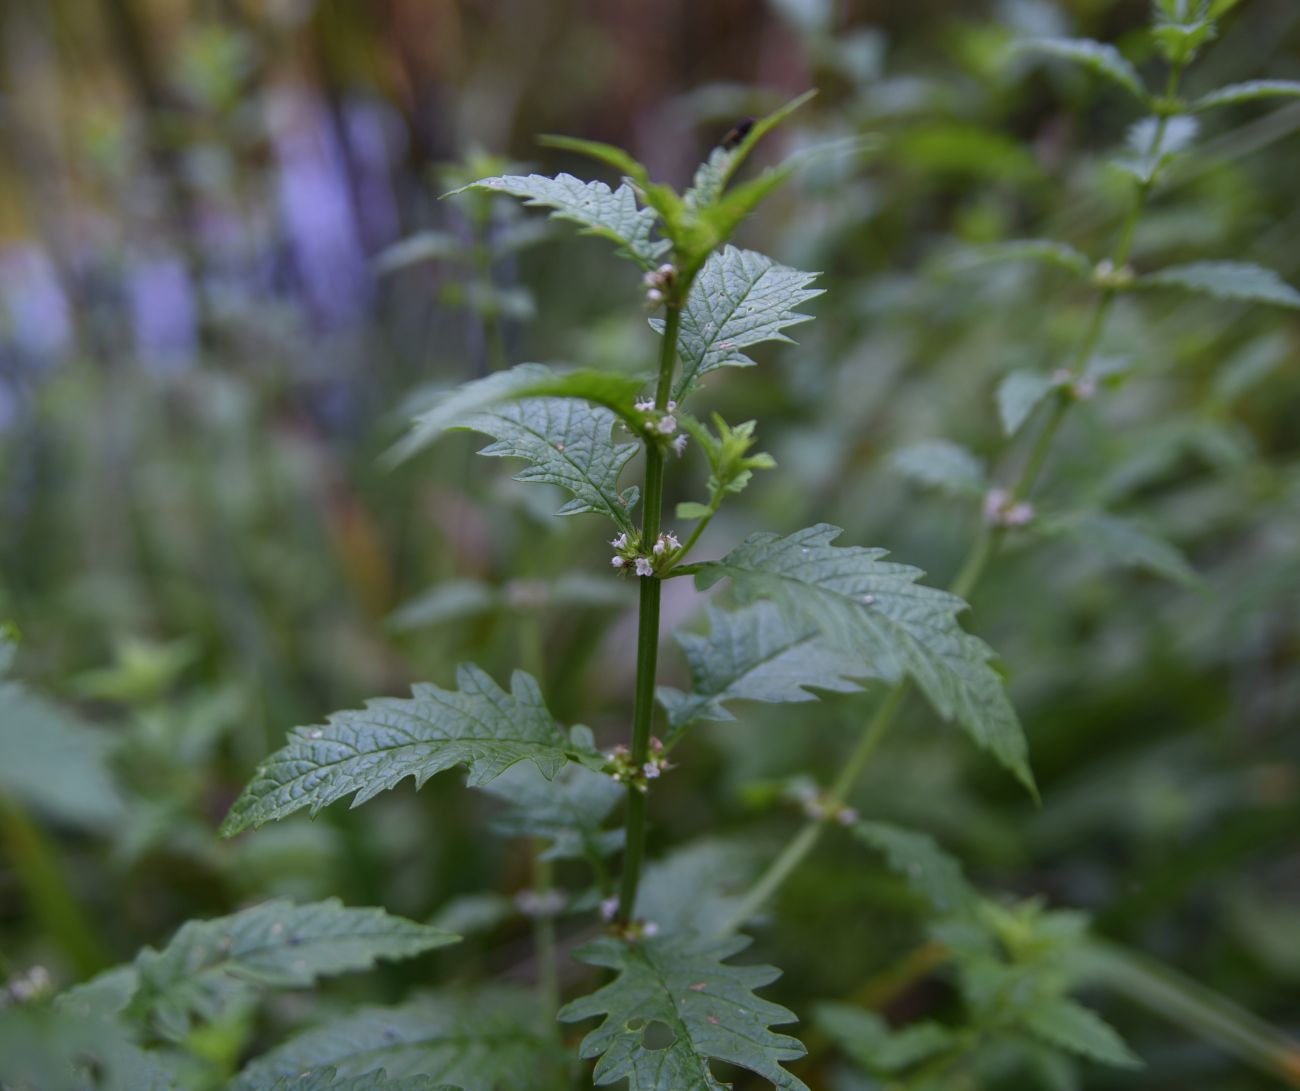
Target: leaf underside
x: 457, y: 407
x: 674, y: 1007
x: 567, y: 443
x: 367, y: 751
x: 943, y: 465
x: 328, y: 1079
x: 569, y: 810
x: 899, y: 627
x: 1100, y: 57
x: 599, y: 210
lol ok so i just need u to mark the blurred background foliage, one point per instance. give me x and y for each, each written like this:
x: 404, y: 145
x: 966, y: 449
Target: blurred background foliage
x: 226, y: 276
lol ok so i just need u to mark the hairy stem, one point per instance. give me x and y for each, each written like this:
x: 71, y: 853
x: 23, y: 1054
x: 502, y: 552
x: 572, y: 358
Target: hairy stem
x: 982, y: 551
x: 647, y: 648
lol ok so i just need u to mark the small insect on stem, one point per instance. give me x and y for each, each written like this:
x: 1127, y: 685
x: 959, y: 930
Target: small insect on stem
x: 736, y: 134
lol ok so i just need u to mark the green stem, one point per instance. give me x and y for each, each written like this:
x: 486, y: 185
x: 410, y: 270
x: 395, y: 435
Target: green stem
x: 647, y: 647
x: 982, y: 551
x: 695, y: 534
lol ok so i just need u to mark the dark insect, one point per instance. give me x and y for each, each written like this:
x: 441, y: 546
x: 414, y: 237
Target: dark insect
x: 736, y: 134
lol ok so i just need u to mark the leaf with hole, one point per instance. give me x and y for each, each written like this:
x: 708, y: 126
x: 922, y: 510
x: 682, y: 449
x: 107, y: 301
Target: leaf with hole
x: 674, y: 1008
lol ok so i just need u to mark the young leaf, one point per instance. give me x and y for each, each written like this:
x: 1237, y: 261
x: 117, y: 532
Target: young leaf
x: 1018, y: 396
x: 674, y: 1007
x: 723, y: 162
x: 612, y: 214
x: 1046, y: 251
x: 1124, y: 542
x: 463, y: 404
x: 1101, y: 58
x: 899, y: 627
x: 367, y: 751
x: 755, y: 653
x: 328, y: 1079
x: 1226, y: 280
x: 916, y: 856
x: 739, y: 299
x: 569, y: 810
x: 1061, y: 1022
x: 939, y: 464
x: 1247, y: 92
x: 608, y: 154
x: 568, y: 444
x: 1154, y: 142
x: 486, y: 1040
x: 276, y: 945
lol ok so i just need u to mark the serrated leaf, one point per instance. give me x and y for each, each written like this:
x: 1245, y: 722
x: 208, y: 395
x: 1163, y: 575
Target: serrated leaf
x: 1063, y: 1023
x: 487, y: 1040
x: 368, y: 751
x: 611, y: 213
x: 567, y: 443
x: 328, y: 1079
x: 276, y: 945
x: 569, y: 810
x: 918, y: 858
x: 1226, y: 280
x: 1099, y: 57
x: 52, y: 762
x: 1046, y: 251
x: 876, y: 609
x: 459, y: 406
x: 47, y: 1049
x: 1019, y: 394
x: 939, y: 464
x: 1124, y: 542
x: 755, y: 653
x: 739, y: 299
x: 1249, y: 91
x: 705, y: 1010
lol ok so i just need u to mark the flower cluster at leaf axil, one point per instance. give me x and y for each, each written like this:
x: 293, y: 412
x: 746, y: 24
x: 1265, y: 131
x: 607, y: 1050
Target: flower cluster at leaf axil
x: 622, y: 768
x: 662, y: 425
x: 629, y: 556
x: 659, y: 283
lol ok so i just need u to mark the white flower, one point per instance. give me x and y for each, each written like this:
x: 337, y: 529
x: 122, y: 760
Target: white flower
x: 651, y: 770
x: 671, y: 540
x: 667, y: 425
x: 608, y: 908
x: 620, y: 542
x: 654, y: 295
x: 649, y: 929
x: 644, y: 405
x: 667, y: 269
x: 617, y: 562
x: 644, y: 567
x: 671, y: 405
x: 679, y: 445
